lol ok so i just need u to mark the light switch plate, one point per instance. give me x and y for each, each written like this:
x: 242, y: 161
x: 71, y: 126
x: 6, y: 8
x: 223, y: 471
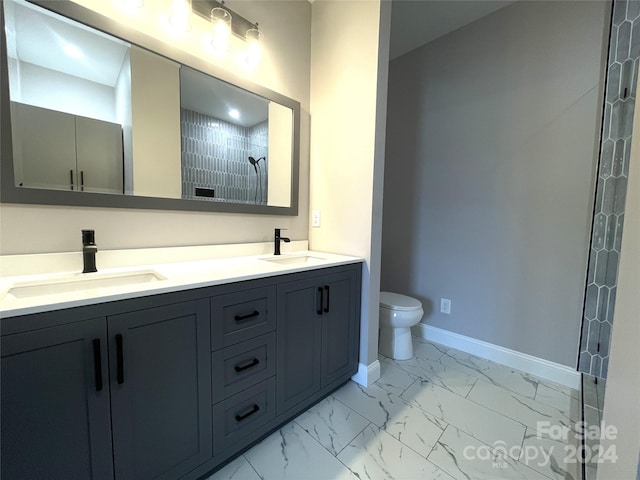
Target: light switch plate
x: 315, y: 218
x: 445, y: 306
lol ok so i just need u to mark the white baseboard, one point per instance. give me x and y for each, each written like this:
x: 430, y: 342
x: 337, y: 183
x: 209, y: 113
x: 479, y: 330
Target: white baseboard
x: 367, y: 374
x: 520, y: 361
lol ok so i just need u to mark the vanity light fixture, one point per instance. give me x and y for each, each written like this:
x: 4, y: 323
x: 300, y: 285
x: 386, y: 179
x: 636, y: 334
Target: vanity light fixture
x: 242, y: 28
x: 254, y: 47
x: 179, y: 15
x: 220, y: 29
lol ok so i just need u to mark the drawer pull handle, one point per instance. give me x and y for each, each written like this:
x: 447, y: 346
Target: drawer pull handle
x: 120, y: 359
x: 327, y: 291
x: 240, y: 318
x: 252, y: 363
x: 251, y: 411
x: 97, y: 364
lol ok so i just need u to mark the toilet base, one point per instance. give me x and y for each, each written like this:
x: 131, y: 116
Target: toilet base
x: 396, y: 343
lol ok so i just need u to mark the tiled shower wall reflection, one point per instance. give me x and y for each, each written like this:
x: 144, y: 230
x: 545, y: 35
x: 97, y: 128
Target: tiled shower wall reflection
x: 611, y: 189
x: 259, y: 142
x: 215, y: 156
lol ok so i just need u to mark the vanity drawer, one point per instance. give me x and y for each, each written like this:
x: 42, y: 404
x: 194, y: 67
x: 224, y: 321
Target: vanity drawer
x: 236, y: 419
x: 240, y: 366
x: 242, y: 315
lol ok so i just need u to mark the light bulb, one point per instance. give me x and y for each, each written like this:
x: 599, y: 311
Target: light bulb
x: 254, y: 47
x: 179, y: 15
x: 221, y: 29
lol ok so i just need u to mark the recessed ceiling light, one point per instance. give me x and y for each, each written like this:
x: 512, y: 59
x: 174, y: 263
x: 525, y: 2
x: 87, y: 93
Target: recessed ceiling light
x: 233, y: 113
x: 73, y: 51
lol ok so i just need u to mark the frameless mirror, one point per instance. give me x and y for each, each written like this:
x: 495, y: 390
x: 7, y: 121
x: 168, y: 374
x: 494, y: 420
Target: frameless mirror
x: 98, y: 120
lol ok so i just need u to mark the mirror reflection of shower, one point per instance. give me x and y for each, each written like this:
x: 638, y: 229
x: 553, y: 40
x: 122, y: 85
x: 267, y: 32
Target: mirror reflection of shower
x: 258, y: 170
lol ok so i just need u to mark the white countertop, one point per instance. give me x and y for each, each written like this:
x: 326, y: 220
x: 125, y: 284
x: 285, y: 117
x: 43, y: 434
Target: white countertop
x: 175, y: 276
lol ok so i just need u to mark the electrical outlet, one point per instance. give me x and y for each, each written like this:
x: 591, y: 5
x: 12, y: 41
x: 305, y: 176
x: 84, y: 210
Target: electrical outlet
x: 445, y: 306
x: 315, y: 218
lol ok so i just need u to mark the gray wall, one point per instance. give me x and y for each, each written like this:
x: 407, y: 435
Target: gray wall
x: 489, y: 174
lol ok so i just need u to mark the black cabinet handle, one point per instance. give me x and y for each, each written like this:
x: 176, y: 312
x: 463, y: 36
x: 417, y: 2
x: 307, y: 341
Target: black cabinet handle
x: 239, y: 318
x: 321, y: 302
x: 326, y: 308
x: 120, y: 359
x: 252, y: 363
x: 71, y: 175
x: 97, y: 364
x: 82, y: 180
x: 251, y: 411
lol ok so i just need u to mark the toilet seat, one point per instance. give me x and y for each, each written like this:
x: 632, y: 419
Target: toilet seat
x: 396, y: 301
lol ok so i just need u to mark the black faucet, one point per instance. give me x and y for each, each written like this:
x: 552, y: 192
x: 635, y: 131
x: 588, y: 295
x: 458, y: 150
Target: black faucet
x: 276, y: 245
x: 89, y: 250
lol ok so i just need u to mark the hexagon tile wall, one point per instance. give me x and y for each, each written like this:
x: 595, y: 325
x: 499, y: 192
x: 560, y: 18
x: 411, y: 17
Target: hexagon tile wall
x: 611, y: 188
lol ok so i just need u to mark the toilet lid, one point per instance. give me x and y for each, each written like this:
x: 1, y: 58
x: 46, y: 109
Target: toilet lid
x: 395, y: 301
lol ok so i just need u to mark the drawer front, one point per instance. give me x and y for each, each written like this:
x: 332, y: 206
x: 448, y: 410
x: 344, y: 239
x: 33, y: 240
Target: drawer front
x: 240, y: 366
x: 242, y: 315
x: 236, y: 419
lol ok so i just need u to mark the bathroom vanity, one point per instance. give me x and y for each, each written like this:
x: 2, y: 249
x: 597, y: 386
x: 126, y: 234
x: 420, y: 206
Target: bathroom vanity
x: 171, y: 384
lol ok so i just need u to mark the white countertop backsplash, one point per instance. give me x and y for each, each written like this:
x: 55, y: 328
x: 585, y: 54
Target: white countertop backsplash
x: 182, y: 268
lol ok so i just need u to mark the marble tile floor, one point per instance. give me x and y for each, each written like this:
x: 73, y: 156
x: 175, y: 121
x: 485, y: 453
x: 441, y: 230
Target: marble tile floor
x: 444, y: 414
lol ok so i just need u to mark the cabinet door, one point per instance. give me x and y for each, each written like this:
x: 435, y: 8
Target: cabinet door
x: 99, y: 155
x: 339, y: 326
x: 44, y: 147
x: 161, y: 390
x: 298, y: 342
x: 55, y: 403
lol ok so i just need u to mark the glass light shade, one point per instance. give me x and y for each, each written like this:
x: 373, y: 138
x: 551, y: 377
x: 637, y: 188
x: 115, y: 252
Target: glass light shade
x: 179, y: 15
x: 254, y: 47
x: 220, y: 29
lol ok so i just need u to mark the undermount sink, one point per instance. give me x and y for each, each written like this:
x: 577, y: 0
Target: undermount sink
x: 293, y: 259
x: 80, y: 282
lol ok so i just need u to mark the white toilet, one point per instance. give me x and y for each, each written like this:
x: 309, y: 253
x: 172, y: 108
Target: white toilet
x: 398, y: 313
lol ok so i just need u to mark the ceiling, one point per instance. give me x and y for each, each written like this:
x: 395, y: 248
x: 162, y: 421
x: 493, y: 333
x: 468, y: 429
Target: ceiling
x: 208, y: 95
x: 417, y: 22
x: 42, y: 39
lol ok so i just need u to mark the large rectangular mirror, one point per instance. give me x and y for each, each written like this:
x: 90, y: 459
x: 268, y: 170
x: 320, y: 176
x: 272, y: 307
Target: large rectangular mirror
x: 99, y: 118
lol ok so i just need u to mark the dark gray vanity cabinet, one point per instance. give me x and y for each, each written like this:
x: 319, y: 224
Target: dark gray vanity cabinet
x: 55, y: 403
x: 318, y: 320
x: 299, y: 341
x: 243, y: 364
x: 128, y: 394
x: 340, y: 327
x: 172, y: 386
x: 160, y: 371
